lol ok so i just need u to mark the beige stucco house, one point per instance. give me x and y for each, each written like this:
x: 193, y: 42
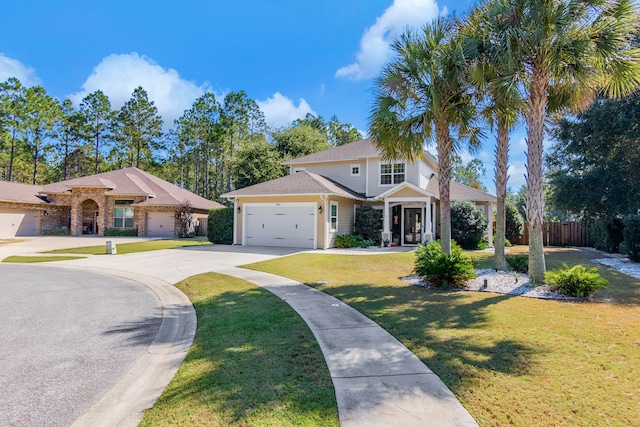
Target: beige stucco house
x: 318, y: 200
x: 123, y: 199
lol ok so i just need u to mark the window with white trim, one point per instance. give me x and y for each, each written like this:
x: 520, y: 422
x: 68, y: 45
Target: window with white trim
x: 392, y: 173
x: 355, y: 170
x: 333, y: 216
x: 123, y: 214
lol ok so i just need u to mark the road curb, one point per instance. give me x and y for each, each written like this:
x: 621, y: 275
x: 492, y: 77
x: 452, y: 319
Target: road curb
x: 139, y: 388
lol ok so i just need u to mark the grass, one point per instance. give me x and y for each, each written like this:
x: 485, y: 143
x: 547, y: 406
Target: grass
x: 32, y: 259
x: 254, y: 362
x: 510, y: 360
x: 129, y: 248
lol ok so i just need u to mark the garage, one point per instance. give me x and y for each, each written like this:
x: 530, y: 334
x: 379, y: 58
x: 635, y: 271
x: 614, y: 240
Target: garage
x: 15, y: 223
x: 289, y: 225
x: 160, y: 224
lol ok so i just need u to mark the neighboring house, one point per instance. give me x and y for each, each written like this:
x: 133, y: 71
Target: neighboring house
x: 122, y: 199
x: 318, y: 200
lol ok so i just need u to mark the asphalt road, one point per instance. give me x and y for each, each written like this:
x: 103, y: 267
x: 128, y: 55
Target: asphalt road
x: 66, y: 337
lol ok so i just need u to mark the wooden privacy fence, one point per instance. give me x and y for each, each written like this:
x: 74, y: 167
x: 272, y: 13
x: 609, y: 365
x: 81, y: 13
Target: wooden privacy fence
x: 570, y: 233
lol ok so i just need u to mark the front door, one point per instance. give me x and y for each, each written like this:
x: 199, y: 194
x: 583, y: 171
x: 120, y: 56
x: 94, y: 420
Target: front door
x: 412, y: 226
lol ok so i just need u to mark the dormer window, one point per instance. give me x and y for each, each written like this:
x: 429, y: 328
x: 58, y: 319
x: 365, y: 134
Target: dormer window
x: 392, y: 173
x: 355, y: 170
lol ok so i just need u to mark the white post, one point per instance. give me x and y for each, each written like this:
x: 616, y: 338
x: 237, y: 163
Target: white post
x: 427, y: 221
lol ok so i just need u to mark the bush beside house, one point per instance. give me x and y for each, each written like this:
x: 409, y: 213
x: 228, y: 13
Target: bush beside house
x: 367, y: 223
x: 220, y: 226
x: 468, y: 224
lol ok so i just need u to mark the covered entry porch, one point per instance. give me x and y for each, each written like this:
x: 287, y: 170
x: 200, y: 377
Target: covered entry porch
x: 409, y: 215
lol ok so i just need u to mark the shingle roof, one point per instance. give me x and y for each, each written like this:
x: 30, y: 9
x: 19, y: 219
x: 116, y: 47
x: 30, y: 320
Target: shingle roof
x: 461, y: 191
x: 352, y: 151
x: 134, y: 182
x: 299, y: 183
x: 19, y: 193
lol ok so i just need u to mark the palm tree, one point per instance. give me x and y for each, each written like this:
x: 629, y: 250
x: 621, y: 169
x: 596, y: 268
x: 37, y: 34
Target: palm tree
x: 497, y: 90
x: 422, y: 93
x: 568, y: 52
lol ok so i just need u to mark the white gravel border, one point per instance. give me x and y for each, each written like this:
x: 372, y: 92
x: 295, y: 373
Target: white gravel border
x: 518, y: 284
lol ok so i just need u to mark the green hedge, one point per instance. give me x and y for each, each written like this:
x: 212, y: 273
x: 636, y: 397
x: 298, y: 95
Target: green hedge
x: 220, y: 226
x: 631, y: 233
x: 113, y: 232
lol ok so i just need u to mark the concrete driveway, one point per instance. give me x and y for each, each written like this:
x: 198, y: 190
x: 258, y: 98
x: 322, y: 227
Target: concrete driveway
x: 97, y: 339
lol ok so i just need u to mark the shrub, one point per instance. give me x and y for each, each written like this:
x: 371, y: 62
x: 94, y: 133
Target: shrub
x: 606, y: 233
x: 367, y: 223
x: 129, y: 232
x: 59, y: 231
x: 352, y: 241
x: 441, y: 270
x: 483, y: 245
x: 576, y: 281
x: 220, y: 226
x: 514, y: 224
x: 631, y: 244
x: 184, y: 215
x: 468, y: 224
x: 519, y: 263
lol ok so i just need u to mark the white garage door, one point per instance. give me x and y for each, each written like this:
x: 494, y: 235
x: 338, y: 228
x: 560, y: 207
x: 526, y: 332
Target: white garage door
x: 286, y: 225
x: 18, y: 223
x: 160, y: 224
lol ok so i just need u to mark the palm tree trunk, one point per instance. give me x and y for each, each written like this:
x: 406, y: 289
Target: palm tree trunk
x: 445, y: 147
x: 502, y: 160
x: 537, y: 104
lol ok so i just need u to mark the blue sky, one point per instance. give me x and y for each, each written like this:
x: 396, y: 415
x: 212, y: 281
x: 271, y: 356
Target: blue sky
x: 292, y: 56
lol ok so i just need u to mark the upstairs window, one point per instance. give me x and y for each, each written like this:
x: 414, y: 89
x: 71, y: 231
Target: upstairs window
x: 355, y: 170
x: 391, y: 173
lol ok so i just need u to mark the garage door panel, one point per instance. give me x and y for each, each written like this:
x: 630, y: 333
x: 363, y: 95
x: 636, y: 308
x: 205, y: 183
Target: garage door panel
x: 160, y: 224
x: 283, y: 226
x: 18, y: 223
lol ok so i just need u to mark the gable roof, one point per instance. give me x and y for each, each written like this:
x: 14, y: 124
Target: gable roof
x: 461, y: 191
x: 403, y: 185
x: 299, y: 183
x: 20, y: 193
x: 133, y: 182
x: 361, y: 149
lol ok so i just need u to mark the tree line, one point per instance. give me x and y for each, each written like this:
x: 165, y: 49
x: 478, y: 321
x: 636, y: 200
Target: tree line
x: 215, y: 146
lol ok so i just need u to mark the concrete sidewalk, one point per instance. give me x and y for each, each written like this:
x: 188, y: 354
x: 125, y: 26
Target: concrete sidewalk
x: 378, y: 381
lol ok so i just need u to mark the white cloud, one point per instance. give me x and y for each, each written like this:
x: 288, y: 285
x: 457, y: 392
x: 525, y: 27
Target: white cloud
x: 118, y: 75
x: 10, y: 67
x: 374, y: 45
x: 517, y: 171
x: 281, y: 111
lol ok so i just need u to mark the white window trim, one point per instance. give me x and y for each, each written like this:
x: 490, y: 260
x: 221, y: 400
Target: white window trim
x: 355, y: 166
x: 392, y: 165
x: 332, y: 216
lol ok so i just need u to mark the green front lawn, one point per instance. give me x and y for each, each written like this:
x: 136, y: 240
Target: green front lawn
x: 254, y: 362
x: 128, y: 248
x: 510, y: 360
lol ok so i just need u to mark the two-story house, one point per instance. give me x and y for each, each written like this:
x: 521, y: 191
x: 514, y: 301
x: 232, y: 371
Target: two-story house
x: 317, y: 201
